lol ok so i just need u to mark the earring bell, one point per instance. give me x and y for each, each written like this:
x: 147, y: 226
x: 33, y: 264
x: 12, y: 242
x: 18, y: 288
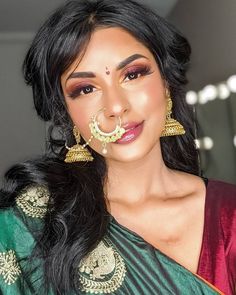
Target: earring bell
x: 78, y: 152
x: 172, y: 126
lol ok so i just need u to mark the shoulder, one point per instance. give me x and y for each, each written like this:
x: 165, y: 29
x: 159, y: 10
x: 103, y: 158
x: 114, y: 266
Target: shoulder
x: 30, y: 208
x: 221, y: 200
x: 221, y: 211
x: 219, y: 186
x: 222, y: 194
x: 33, y: 201
x: 217, y: 262
x: 30, y: 203
x: 18, y: 224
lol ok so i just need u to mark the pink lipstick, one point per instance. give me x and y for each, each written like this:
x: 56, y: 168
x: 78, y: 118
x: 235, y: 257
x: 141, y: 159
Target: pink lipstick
x: 133, y: 130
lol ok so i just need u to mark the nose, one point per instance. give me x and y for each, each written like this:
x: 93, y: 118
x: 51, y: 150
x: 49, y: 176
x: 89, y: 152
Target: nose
x: 116, y: 104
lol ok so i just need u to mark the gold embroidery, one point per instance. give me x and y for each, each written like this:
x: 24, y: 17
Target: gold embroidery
x: 9, y: 268
x: 33, y: 201
x: 103, y: 270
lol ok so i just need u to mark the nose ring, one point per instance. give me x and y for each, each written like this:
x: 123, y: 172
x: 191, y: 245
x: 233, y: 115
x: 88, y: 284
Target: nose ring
x: 105, y: 137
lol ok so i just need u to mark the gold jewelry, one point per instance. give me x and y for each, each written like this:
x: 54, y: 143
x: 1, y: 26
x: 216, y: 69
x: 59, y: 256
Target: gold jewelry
x: 78, y: 152
x: 172, y: 126
x: 105, y: 137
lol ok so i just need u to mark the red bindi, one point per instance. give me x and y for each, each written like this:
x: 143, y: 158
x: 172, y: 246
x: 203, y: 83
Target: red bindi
x: 107, y: 71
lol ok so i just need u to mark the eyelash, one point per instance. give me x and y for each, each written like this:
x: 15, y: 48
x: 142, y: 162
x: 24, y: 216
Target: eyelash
x: 137, y: 72
x: 77, y: 91
x: 133, y: 73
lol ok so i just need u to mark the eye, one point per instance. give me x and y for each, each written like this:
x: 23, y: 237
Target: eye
x: 81, y: 90
x: 87, y: 89
x: 132, y: 76
x: 136, y: 72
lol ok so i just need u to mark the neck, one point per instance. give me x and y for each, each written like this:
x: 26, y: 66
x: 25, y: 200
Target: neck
x: 134, y: 182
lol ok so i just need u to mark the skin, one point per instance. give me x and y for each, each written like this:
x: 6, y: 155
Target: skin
x: 169, y: 204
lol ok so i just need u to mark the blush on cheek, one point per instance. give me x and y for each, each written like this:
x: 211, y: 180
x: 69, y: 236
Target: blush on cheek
x: 152, y: 98
x: 78, y: 118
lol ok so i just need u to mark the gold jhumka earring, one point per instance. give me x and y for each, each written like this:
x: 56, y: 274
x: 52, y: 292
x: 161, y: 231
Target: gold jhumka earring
x: 78, y: 152
x: 172, y: 126
x: 105, y: 137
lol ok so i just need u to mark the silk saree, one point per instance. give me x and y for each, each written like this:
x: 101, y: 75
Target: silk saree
x: 122, y: 263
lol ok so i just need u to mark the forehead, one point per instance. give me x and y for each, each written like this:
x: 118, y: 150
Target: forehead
x: 109, y: 46
x: 105, y: 38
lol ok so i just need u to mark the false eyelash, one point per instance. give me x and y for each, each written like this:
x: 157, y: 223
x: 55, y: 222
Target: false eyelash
x: 76, y: 92
x: 142, y: 70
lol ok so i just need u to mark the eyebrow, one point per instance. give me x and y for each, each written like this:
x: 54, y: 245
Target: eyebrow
x: 120, y: 66
x: 81, y: 75
x: 128, y: 60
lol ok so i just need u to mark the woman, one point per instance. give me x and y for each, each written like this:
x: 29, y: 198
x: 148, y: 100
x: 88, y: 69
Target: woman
x: 118, y: 206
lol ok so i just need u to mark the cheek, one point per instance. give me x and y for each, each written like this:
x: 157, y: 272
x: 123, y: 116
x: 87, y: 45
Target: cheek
x: 156, y: 97
x: 79, y: 118
x: 152, y: 97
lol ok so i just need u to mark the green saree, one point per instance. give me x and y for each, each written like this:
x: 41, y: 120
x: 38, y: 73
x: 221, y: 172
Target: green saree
x: 122, y: 263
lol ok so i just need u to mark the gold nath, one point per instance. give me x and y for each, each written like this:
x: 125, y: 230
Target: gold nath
x: 105, y: 137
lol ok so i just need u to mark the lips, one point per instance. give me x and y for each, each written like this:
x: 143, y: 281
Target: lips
x: 133, y: 130
x: 131, y: 125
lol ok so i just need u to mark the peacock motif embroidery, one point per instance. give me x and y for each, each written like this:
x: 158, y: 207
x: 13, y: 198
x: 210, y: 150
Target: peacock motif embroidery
x: 103, y: 270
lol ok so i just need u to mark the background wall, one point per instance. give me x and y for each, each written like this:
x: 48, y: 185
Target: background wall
x: 22, y: 134
x: 210, y: 27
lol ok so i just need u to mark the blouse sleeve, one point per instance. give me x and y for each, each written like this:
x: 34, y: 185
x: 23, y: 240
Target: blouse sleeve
x: 17, y: 242
x: 12, y: 253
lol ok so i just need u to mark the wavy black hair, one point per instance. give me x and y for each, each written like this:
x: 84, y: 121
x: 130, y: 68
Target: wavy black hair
x: 78, y: 219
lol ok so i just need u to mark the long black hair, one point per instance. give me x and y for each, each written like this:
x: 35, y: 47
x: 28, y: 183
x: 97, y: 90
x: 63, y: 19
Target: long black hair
x: 77, y: 218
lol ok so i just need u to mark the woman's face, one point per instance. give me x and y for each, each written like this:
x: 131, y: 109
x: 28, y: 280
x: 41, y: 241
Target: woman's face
x: 119, y: 75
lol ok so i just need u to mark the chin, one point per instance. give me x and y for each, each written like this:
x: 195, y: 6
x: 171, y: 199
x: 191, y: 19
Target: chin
x: 128, y: 153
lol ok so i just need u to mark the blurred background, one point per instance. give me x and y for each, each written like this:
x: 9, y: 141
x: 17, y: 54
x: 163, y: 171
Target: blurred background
x: 210, y: 28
